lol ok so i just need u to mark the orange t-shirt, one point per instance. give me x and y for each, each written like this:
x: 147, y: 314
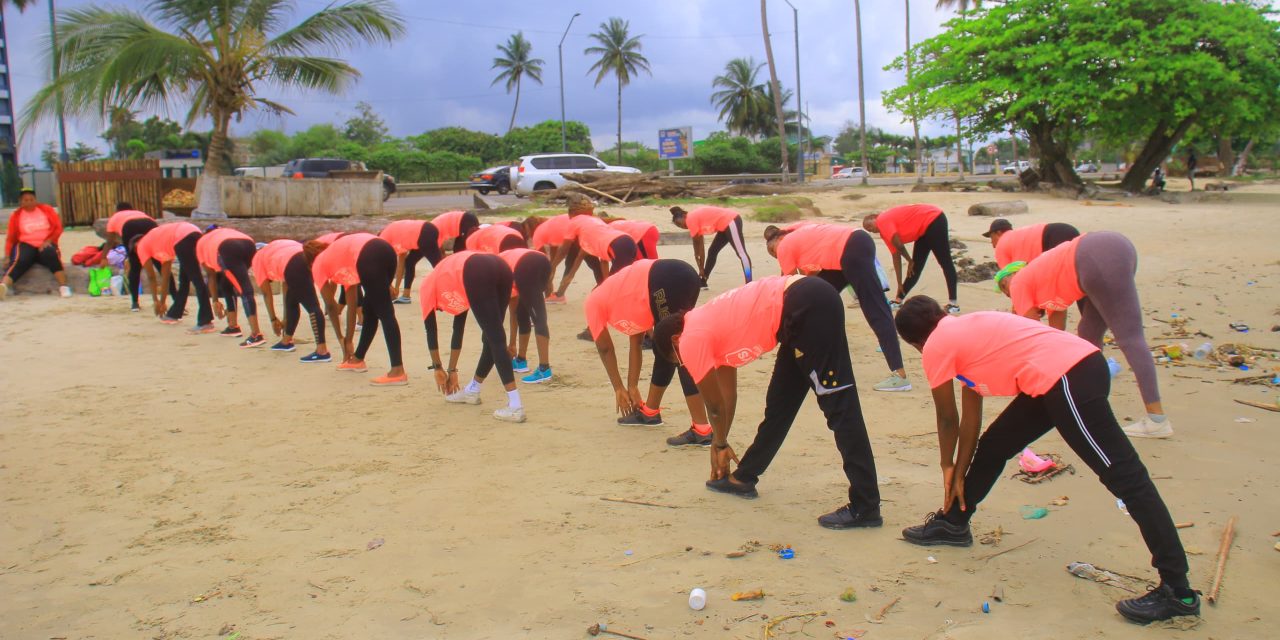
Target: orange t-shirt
x: 733, y: 329
x: 443, y: 289
x: 909, y: 221
x: 337, y: 264
x: 403, y: 235
x: 1050, y: 282
x: 513, y: 256
x: 158, y: 244
x: 115, y: 224
x: 813, y: 247
x: 637, y: 229
x: 488, y: 239
x: 33, y: 227
x: 450, y: 225
x: 622, y: 301
x: 1023, y: 244
x: 595, y: 240
x: 552, y: 232
x: 207, y: 246
x: 709, y: 220
x: 269, y: 262
x: 1000, y: 354
x: 328, y: 238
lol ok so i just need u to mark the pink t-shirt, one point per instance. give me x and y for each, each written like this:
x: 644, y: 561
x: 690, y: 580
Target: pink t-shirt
x: 637, y: 229
x: 908, y: 221
x: 450, y: 225
x: 269, y: 262
x: 595, y: 240
x: 735, y: 328
x: 551, y: 232
x: 1050, y: 282
x: 513, y: 256
x: 489, y: 239
x: 337, y: 264
x: 328, y: 238
x: 33, y: 227
x: 403, y: 235
x: 443, y: 289
x: 159, y: 243
x: 115, y: 224
x: 1023, y: 244
x: 811, y: 248
x: 1000, y: 354
x: 709, y: 220
x: 207, y: 246
x: 622, y: 301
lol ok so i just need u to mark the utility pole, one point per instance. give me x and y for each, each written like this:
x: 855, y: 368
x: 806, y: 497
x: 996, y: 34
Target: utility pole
x: 795, y: 21
x: 57, y: 97
x: 564, y: 139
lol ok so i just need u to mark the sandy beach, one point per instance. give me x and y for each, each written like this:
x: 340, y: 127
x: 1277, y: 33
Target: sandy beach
x: 159, y: 485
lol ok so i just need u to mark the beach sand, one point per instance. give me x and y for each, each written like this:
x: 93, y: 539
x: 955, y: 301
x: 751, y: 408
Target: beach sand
x: 159, y: 485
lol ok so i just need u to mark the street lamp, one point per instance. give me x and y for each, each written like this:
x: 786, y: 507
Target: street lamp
x: 795, y: 21
x: 564, y: 140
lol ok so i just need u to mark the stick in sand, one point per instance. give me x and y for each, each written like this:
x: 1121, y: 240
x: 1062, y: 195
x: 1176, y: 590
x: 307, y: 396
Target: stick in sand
x: 640, y: 502
x: 768, y: 628
x: 595, y: 630
x: 1227, y: 536
x: 883, y: 610
x: 1184, y: 525
x: 1000, y: 553
x: 1259, y: 405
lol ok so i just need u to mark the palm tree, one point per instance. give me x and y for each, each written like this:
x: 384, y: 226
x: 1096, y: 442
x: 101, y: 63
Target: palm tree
x: 773, y: 84
x: 515, y: 64
x: 915, y: 122
x: 862, y: 98
x: 213, y: 54
x: 620, y: 55
x: 741, y: 98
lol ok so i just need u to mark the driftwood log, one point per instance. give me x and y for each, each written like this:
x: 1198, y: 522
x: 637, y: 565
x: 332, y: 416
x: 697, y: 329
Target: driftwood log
x: 998, y: 209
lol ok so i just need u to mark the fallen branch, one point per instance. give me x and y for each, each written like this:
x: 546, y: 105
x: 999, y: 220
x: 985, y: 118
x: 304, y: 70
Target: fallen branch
x: 1259, y: 405
x: 595, y: 630
x: 640, y: 502
x: 1000, y: 553
x: 601, y: 193
x: 879, y: 619
x: 1184, y: 525
x: 768, y: 627
x: 1227, y: 536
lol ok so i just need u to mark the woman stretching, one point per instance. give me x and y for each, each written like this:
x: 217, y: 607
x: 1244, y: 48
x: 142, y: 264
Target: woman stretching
x: 926, y: 226
x: 631, y: 302
x: 495, y: 238
x: 282, y: 261
x: 1057, y: 381
x: 608, y: 249
x: 354, y: 262
x: 455, y: 226
x: 162, y: 245
x: 1025, y: 244
x: 226, y: 255
x: 124, y: 228
x: 548, y: 236
x: 480, y: 283
x: 1097, y: 270
x: 725, y: 224
x: 412, y: 240
x: 845, y: 257
x: 530, y: 270
x: 645, y: 235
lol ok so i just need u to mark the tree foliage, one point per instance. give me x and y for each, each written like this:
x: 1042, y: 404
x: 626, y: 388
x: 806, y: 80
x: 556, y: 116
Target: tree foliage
x: 618, y: 54
x: 366, y: 127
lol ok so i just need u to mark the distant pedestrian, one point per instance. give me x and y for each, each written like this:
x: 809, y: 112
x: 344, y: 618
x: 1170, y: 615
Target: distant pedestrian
x: 1191, y: 168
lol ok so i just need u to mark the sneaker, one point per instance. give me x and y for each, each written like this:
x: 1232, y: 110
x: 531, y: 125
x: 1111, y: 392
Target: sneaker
x: 937, y: 531
x: 540, y: 375
x: 586, y: 335
x: 357, y: 366
x: 168, y: 320
x: 402, y: 300
x: 953, y: 309
x: 725, y: 485
x: 201, y: 329
x: 690, y: 437
x: 894, y: 305
x: 1146, y: 428
x: 135, y: 309
x: 64, y: 291
x: 555, y: 299
x: 231, y: 332
x: 283, y: 346
x: 316, y: 357
x: 520, y: 365
x: 463, y: 397
x: 1160, y: 603
x: 846, y: 518
x: 894, y: 382
x: 638, y: 418
x: 254, y: 341
x: 508, y: 414
x: 390, y: 381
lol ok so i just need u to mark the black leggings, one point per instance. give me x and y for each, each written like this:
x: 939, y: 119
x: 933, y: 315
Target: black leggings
x: 936, y: 240
x: 189, y: 276
x: 813, y: 355
x: 428, y: 247
x: 731, y: 235
x: 531, y: 275
x: 858, y: 270
x: 487, y: 281
x: 235, y: 256
x: 25, y: 255
x: 376, y: 267
x: 300, y: 290
x: 130, y: 233
x: 1077, y: 406
x: 622, y: 252
x: 1056, y: 233
x: 673, y: 287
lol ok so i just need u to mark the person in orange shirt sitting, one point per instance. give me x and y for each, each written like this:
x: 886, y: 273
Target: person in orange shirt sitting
x: 34, y: 230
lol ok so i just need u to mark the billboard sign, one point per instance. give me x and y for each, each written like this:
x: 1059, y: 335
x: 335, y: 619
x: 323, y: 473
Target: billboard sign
x: 675, y: 143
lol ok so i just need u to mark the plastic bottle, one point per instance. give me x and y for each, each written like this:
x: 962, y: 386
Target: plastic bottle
x: 1203, y: 351
x: 1114, y: 367
x: 697, y: 599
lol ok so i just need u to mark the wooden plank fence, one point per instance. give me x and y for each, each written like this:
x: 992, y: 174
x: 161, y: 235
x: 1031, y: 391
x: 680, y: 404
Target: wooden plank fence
x: 90, y: 190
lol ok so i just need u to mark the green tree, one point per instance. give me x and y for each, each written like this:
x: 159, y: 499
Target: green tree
x: 366, y: 128
x: 618, y: 54
x: 82, y: 152
x: 544, y: 137
x: 135, y: 149
x: 216, y: 54
x: 477, y: 144
x: 269, y: 147
x: 122, y: 126
x: 315, y: 141
x: 741, y: 98
x: 516, y: 64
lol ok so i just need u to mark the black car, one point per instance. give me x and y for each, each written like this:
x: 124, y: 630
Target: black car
x: 492, y: 179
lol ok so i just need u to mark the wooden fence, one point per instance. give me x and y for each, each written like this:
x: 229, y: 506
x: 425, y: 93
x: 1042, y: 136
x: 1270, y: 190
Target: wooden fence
x: 90, y: 190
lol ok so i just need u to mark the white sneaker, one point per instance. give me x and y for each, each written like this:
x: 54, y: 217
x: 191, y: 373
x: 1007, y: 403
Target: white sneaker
x: 507, y: 414
x: 894, y: 382
x: 1146, y: 428
x: 64, y: 291
x: 463, y: 397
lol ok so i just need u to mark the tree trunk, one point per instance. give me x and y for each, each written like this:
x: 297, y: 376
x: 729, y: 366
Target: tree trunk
x: 773, y: 82
x: 1014, y: 136
x: 862, y: 100
x: 915, y: 122
x: 1226, y: 157
x: 1157, y: 148
x: 960, y: 147
x: 210, y: 204
x: 1242, y: 159
x: 619, y: 121
x: 514, y: 108
x: 1055, y: 163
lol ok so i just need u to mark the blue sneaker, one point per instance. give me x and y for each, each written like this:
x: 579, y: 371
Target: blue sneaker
x: 542, y: 374
x: 316, y: 357
x: 283, y: 346
x: 520, y: 365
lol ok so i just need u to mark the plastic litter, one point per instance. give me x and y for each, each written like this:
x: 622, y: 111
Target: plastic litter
x: 986, y: 607
x: 1032, y: 463
x: 1114, y: 367
x: 697, y: 599
x: 1033, y: 513
x: 787, y: 553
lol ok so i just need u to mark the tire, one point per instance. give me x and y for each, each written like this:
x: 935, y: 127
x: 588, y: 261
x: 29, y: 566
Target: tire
x: 483, y: 191
x: 503, y: 188
x: 544, y: 186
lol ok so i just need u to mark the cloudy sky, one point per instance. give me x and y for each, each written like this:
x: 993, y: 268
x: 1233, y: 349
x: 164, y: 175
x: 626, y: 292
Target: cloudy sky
x: 439, y: 73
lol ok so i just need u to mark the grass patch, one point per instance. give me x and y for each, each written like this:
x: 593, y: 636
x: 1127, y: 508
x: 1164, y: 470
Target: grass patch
x: 746, y: 202
x: 784, y: 212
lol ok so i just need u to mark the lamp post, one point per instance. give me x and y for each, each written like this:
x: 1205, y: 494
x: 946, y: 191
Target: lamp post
x: 795, y: 21
x: 564, y: 140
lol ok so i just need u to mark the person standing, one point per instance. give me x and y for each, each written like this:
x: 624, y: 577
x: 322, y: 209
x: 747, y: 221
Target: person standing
x: 1025, y: 244
x: 124, y: 228
x: 725, y: 225
x: 926, y: 226
x: 1191, y: 167
x: 34, y: 231
x: 283, y: 261
x: 163, y: 245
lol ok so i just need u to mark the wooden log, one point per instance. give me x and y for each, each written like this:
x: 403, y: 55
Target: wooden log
x: 998, y: 209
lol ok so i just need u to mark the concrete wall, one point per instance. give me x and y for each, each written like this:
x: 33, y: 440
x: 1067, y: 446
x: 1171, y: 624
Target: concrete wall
x: 329, y: 197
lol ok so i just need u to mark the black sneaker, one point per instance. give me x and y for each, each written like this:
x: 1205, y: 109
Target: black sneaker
x: 231, y: 332
x: 1160, y: 603
x: 638, y: 418
x: 846, y: 518
x: 690, y: 437
x: 725, y: 485
x: 254, y: 341
x: 586, y: 335
x: 283, y: 346
x: 937, y: 531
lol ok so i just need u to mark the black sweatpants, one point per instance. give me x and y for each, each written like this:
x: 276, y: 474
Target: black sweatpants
x: 130, y: 232
x: 673, y: 287
x: 731, y: 235
x: 936, y: 240
x: 813, y: 355
x: 235, y: 256
x: 487, y: 280
x: 25, y: 255
x: 531, y: 274
x: 1077, y: 407
x: 858, y: 270
x: 428, y: 247
x: 300, y: 290
x: 622, y: 252
x: 1056, y: 233
x: 376, y: 267
x: 189, y: 276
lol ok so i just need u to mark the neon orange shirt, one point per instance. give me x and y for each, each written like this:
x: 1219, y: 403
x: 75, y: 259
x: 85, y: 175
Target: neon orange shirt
x: 552, y: 232
x: 709, y: 220
x: 33, y: 227
x: 158, y: 244
x: 513, y: 256
x: 813, y: 247
x: 337, y: 264
x: 488, y: 239
x: 403, y: 235
x: 637, y: 229
x: 450, y: 225
x: 1000, y: 354
x: 115, y: 224
x: 1050, y: 282
x: 442, y: 289
x: 622, y: 301
x: 328, y: 238
x: 207, y: 246
x: 1023, y: 244
x: 595, y: 240
x: 908, y: 221
x: 269, y: 262
x: 733, y: 329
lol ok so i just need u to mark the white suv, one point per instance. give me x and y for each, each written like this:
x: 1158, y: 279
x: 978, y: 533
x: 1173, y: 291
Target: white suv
x: 543, y: 171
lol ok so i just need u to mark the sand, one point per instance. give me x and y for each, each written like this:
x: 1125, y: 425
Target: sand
x: 160, y: 485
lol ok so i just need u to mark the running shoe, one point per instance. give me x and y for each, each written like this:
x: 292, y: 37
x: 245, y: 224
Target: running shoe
x: 168, y: 320
x: 520, y: 365
x: 390, y: 381
x: 586, y: 335
x: 402, y: 300
x: 894, y: 305
x: 1148, y: 428
x: 316, y: 357
x: 254, y: 341
x: 1160, y: 603
x: 463, y: 397
x: 202, y: 329
x: 937, y: 531
x: 508, y: 414
x: 555, y: 299
x: 135, y: 309
x: 894, y: 382
x: 953, y: 309
x: 231, y: 332
x: 638, y: 418
x: 540, y: 375
x: 283, y: 346
x: 64, y: 291
x: 690, y: 437
x: 357, y: 366
x: 740, y: 489
x: 846, y: 518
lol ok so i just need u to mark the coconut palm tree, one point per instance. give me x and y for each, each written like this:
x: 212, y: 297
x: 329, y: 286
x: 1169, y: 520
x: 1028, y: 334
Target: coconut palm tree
x: 742, y: 100
x: 773, y: 84
x: 213, y: 55
x: 515, y: 64
x: 619, y: 54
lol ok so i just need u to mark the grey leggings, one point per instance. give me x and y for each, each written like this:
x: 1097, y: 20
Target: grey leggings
x: 1106, y: 264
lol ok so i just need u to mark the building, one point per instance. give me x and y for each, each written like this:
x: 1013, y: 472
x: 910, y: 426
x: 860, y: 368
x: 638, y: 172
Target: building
x: 8, y: 135
x: 178, y: 163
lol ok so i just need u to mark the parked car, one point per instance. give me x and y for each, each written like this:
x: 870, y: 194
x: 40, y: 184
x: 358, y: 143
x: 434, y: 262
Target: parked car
x: 276, y: 171
x: 324, y: 168
x: 849, y: 172
x: 1086, y: 167
x: 544, y: 171
x: 1016, y: 168
x: 492, y: 179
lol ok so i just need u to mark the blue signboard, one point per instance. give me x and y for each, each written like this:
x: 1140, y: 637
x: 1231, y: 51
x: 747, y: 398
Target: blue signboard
x: 675, y: 143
